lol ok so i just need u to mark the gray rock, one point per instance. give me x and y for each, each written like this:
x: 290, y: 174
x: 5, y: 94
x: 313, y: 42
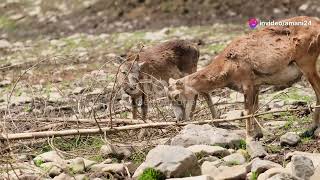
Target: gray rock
x: 232, y: 114
x: 115, y: 151
x: 5, y: 83
x: 52, y: 168
x: 78, y: 90
x: 81, y: 177
x: 77, y: 165
x: 210, y: 150
x: 302, y: 167
x: 116, y: 167
x: 173, y: 161
x: 4, y: 44
x: 277, y: 174
x: 315, y: 157
x: 290, y: 138
x: 235, y: 159
x: 255, y: 149
x: 62, y: 176
x: 51, y: 156
x: 209, y: 159
x: 237, y: 172
x: 274, y: 124
x: 317, y: 133
x: 204, y: 177
x: 205, y: 134
x: 260, y: 166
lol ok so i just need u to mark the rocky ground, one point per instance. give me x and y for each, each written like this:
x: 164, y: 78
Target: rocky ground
x: 58, y: 73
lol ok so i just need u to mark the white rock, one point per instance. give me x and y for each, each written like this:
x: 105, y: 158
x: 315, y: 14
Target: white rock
x: 234, y: 159
x: 210, y: 150
x: 304, y: 7
x: 237, y: 172
x: 77, y: 165
x: 173, y: 161
x: 260, y: 166
x: 4, y: 44
x: 274, y: 173
x: 232, y: 114
x: 204, y: 177
x: 206, y: 134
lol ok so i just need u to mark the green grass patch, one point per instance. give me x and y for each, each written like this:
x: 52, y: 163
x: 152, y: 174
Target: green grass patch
x: 214, y: 48
x: 151, y: 174
x: 38, y: 162
x: 6, y: 23
x: 138, y: 157
x: 254, y: 175
x: 293, y: 94
x: 273, y: 149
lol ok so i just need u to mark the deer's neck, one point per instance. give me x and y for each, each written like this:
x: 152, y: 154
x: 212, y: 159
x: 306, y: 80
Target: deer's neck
x: 206, y: 80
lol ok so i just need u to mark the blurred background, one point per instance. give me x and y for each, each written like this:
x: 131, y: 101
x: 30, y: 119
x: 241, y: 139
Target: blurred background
x: 30, y: 18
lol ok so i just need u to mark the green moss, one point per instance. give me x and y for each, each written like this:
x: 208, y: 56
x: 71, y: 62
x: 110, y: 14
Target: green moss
x: 151, y: 174
x: 242, y: 144
x: 38, y: 162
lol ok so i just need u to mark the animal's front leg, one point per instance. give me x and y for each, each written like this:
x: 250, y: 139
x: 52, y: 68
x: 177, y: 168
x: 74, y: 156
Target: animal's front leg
x: 144, y: 106
x: 134, y: 108
x: 207, y: 97
x: 194, y: 103
x: 253, y: 131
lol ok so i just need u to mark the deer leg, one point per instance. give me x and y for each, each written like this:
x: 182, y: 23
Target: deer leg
x: 314, y: 79
x: 194, y: 103
x: 144, y: 106
x: 207, y: 97
x: 134, y: 108
x: 253, y: 131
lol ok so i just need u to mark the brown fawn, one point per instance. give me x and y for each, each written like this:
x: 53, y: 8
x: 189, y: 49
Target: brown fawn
x: 172, y: 59
x: 272, y: 55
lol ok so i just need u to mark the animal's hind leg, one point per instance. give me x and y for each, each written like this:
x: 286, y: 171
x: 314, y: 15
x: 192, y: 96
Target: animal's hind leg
x: 194, y: 103
x: 313, y: 77
x: 144, y: 106
x: 134, y: 108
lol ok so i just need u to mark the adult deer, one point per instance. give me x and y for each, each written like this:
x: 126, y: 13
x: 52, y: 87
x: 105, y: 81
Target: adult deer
x: 172, y: 59
x: 272, y: 55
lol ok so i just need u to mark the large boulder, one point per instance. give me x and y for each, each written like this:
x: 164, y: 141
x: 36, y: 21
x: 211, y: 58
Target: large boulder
x: 173, y: 161
x: 302, y: 167
x: 205, y: 134
x: 256, y: 149
x: 277, y: 174
x: 315, y: 157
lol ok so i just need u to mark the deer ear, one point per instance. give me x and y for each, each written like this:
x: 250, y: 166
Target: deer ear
x: 179, y: 83
x: 171, y: 81
x: 141, y: 64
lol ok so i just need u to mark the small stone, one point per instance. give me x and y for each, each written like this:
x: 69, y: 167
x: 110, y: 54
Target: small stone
x: 51, y: 156
x: 237, y: 172
x: 78, y: 90
x: 317, y: 133
x: 52, y: 168
x: 115, y: 151
x: 4, y: 44
x: 302, y: 167
x: 277, y: 174
x: 77, y: 165
x: 232, y: 114
x: 209, y: 159
x: 235, y: 159
x: 255, y: 149
x: 304, y: 7
x: 290, y: 139
x: 209, y: 150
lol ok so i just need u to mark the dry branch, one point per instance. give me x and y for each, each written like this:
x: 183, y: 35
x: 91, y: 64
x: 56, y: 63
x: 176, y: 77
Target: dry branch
x: 70, y: 132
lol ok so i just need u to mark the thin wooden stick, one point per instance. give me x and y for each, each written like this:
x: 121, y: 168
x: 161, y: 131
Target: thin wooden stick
x: 66, y: 120
x: 71, y: 132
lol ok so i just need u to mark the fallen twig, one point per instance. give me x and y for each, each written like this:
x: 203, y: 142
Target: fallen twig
x: 70, y: 132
